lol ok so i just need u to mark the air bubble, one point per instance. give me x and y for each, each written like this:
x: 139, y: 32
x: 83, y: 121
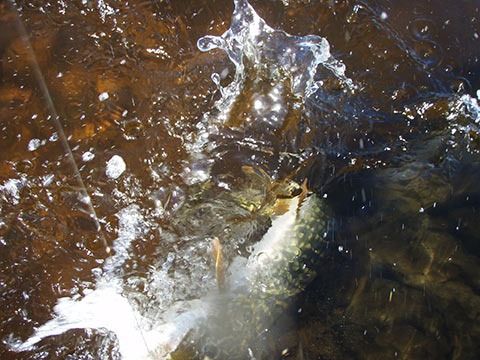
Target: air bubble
x: 208, y: 43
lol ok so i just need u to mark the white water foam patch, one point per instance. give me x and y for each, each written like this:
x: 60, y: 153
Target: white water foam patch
x: 471, y: 107
x: 104, y: 10
x: 106, y: 308
x: 115, y: 167
x: 131, y: 226
x: 462, y: 114
x: 11, y: 189
x: 464, y: 118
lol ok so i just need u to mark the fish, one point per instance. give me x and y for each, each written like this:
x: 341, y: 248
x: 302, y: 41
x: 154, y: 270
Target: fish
x: 256, y: 290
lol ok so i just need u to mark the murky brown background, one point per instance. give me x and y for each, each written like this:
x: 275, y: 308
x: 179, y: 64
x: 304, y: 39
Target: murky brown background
x: 406, y: 282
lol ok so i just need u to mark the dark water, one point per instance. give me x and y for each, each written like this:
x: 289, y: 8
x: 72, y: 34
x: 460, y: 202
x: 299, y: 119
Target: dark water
x: 397, y: 160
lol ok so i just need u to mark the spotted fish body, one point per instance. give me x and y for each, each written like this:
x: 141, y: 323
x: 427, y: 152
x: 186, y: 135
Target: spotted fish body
x: 261, y: 287
x: 284, y: 260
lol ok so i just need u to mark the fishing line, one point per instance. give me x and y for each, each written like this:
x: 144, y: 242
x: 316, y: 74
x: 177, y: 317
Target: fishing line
x: 64, y: 141
x: 37, y: 72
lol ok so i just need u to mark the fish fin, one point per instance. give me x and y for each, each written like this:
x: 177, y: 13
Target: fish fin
x: 303, y: 195
x: 217, y: 253
x: 257, y: 173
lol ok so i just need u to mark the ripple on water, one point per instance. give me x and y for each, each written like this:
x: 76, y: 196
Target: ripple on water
x: 428, y: 53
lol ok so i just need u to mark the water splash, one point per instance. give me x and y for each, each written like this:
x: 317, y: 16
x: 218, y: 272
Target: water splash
x: 469, y: 106
x: 105, y: 307
x: 131, y: 227
x: 10, y: 190
x: 462, y: 116
x: 464, y: 120
x: 273, y: 54
x: 275, y: 73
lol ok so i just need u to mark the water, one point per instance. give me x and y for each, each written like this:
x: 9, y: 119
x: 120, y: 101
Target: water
x: 375, y: 103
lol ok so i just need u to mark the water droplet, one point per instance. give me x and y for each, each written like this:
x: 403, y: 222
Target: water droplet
x: 103, y: 96
x: 34, y: 144
x: 208, y: 43
x: 87, y: 156
x: 115, y: 167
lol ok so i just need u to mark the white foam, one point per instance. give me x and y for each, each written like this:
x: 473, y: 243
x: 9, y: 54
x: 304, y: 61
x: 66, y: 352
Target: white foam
x: 471, y: 107
x: 12, y: 188
x: 104, y: 9
x: 104, y: 308
x: 131, y: 226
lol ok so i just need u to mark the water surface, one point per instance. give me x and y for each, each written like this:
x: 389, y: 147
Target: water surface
x: 171, y: 159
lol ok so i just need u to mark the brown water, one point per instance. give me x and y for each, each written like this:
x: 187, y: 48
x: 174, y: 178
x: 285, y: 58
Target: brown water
x: 397, y: 159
